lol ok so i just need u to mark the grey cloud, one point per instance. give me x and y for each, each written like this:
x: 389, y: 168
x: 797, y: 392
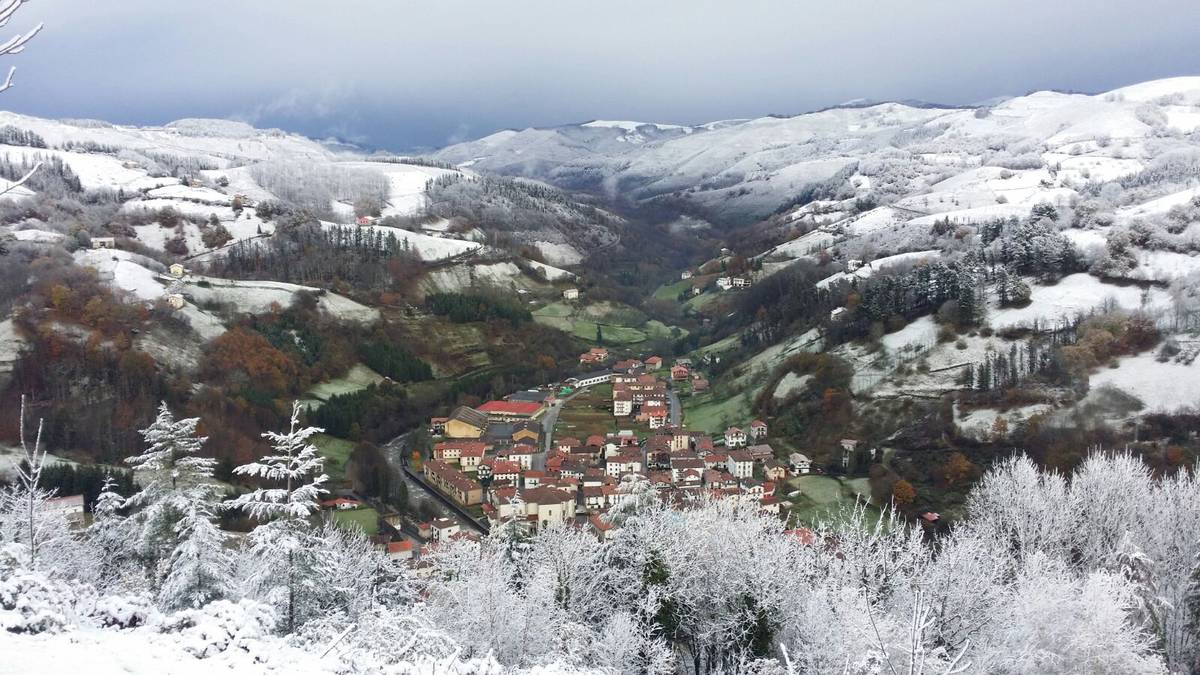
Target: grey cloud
x: 402, y: 73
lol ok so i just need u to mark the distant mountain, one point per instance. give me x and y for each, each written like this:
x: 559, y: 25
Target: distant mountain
x: 743, y: 170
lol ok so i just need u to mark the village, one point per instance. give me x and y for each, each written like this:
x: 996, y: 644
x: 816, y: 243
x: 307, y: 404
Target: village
x: 544, y: 457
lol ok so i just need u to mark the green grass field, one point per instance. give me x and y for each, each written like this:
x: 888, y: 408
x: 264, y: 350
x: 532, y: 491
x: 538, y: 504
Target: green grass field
x: 702, y: 301
x: 823, y: 498
x: 672, y: 291
x: 618, y: 324
x: 336, y: 452
x: 359, y: 377
x: 712, y: 414
x: 731, y: 342
x: 366, y: 519
x: 586, y: 414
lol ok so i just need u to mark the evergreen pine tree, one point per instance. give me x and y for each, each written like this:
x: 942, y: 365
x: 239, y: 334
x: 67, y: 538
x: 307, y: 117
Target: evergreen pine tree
x: 283, y: 511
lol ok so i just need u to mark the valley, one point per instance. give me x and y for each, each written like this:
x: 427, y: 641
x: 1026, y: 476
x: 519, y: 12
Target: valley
x: 838, y: 328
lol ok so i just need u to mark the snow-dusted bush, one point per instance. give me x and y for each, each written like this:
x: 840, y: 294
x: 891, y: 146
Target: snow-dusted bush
x: 32, y: 602
x: 124, y: 611
x: 220, y: 625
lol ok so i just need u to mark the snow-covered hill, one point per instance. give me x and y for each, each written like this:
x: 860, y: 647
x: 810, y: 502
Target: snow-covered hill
x: 752, y: 167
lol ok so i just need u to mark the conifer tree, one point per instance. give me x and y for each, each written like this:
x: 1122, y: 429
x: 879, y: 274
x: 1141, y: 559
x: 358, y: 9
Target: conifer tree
x: 294, y: 473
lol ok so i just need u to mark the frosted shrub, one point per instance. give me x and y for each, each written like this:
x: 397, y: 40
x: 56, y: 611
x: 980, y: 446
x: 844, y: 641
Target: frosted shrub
x: 124, y: 611
x: 221, y: 625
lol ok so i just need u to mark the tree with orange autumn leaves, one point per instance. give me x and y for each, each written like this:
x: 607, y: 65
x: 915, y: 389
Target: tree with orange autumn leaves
x: 244, y: 358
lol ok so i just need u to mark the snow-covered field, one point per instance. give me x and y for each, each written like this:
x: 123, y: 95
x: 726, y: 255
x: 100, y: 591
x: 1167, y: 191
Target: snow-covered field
x: 130, y: 272
x: 916, y: 336
x: 1072, y: 296
x: 257, y: 297
x: 1162, y: 387
x: 427, y: 247
x: 879, y: 265
x: 406, y: 184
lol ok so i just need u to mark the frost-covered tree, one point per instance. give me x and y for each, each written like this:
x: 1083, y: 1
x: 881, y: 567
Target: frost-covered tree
x: 109, y: 539
x: 174, y: 481
x: 201, y: 565
x: 25, y: 518
x: 293, y: 473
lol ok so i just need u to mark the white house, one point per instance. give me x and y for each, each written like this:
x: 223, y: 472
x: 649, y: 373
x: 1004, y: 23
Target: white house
x: 725, y: 283
x: 444, y: 528
x: 741, y: 282
x: 571, y: 294
x: 799, y: 464
x: 837, y: 313
x: 740, y: 464
x: 734, y: 437
x: 685, y: 275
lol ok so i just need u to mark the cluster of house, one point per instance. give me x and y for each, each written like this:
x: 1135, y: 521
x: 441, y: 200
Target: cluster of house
x: 747, y: 445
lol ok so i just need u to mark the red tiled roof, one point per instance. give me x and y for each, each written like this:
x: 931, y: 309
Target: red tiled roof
x: 399, y: 546
x: 510, y: 407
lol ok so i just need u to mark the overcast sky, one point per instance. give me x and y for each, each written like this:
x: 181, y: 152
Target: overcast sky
x: 402, y: 74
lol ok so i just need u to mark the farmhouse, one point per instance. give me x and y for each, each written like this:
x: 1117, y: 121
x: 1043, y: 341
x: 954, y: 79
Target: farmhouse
x: 594, y: 355
x: 571, y: 294
x: 679, y: 372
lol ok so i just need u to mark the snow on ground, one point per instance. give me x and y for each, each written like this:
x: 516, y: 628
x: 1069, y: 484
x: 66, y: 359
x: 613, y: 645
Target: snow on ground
x: 458, y: 277
x: 555, y: 253
x: 142, y: 278
x: 11, y: 345
x: 879, y: 265
x: 916, y: 336
x: 241, y: 182
x: 1087, y: 240
x: 1072, y: 296
x: 790, y: 384
x: 143, y: 651
x: 769, y: 358
x: 627, y: 125
x: 977, y: 424
x: 407, y: 184
x: 552, y: 273
x: 1163, y: 265
x: 37, y: 236
x: 806, y: 244
x: 194, y: 194
x: 1160, y: 205
x: 1162, y: 387
x: 440, y: 225
x: 94, y: 171
x: 425, y: 246
x: 875, y: 220
x: 127, y: 271
x: 945, y: 362
x: 257, y: 297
